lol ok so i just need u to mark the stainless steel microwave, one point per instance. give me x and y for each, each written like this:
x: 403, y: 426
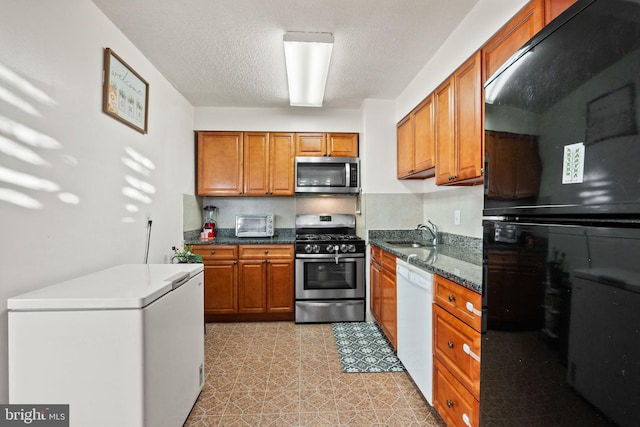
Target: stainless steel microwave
x: 327, y: 175
x: 260, y: 225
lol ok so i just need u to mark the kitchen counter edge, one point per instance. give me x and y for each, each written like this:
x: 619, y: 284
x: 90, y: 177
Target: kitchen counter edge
x: 455, y: 263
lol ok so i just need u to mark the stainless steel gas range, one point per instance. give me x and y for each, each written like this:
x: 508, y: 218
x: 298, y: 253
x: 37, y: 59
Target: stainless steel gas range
x: 330, y: 269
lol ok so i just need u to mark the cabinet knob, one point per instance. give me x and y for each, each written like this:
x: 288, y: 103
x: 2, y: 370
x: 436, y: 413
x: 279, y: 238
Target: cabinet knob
x: 452, y: 298
x: 213, y: 252
x: 450, y: 344
x: 266, y: 251
x: 450, y: 403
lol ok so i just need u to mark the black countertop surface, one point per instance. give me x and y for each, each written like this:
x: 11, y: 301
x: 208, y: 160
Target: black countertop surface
x: 454, y: 261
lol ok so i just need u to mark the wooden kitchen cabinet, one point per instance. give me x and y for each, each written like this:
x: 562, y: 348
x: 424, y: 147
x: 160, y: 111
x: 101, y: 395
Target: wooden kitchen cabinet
x: 220, y: 163
x: 524, y: 25
x: 459, y: 127
x: 416, y: 142
x: 457, y: 352
x: 453, y: 403
x: 266, y: 279
x: 220, y: 278
x: 553, y: 8
x: 248, y: 282
x: 327, y: 144
x: 375, y: 282
x: 268, y: 164
x: 383, y: 292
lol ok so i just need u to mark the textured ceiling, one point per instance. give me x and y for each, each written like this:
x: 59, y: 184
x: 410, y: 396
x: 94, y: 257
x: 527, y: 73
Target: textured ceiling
x: 229, y: 53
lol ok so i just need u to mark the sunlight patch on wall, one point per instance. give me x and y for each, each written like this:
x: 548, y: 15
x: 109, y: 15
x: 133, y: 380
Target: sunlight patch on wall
x: 137, y: 189
x: 25, y: 144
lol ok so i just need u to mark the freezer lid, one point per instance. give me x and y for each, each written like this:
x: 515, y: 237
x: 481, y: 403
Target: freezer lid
x: 126, y: 286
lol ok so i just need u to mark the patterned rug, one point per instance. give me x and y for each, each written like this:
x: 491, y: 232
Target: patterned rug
x: 363, y: 348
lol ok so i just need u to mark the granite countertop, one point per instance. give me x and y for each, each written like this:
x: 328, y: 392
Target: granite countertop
x: 456, y: 258
x: 226, y: 236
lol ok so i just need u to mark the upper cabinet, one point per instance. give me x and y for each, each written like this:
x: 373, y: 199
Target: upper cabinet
x: 268, y: 164
x: 220, y: 163
x: 416, y: 142
x: 458, y: 106
x: 452, y: 115
x: 327, y: 144
x: 553, y: 8
x: 249, y: 163
x: 512, y: 36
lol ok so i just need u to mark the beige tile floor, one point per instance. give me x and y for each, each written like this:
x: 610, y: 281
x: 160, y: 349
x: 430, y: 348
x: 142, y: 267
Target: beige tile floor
x: 282, y: 374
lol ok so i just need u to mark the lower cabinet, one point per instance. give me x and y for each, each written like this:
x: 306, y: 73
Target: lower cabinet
x: 383, y: 292
x: 456, y: 350
x: 248, y: 282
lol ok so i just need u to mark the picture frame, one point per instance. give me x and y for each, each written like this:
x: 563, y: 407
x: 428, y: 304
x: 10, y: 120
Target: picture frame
x: 125, y: 94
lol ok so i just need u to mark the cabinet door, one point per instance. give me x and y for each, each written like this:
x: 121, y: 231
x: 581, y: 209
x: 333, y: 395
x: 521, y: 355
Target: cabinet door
x: 220, y: 163
x: 256, y: 163
x: 252, y: 286
x: 375, y: 299
x: 342, y: 144
x: 221, y: 287
x: 424, y: 135
x: 457, y: 346
x: 445, y: 134
x: 453, y: 402
x: 281, y: 163
x: 311, y: 144
x: 404, y: 141
x: 468, y: 120
x: 389, y: 311
x: 553, y: 8
x: 524, y: 25
x: 280, y: 278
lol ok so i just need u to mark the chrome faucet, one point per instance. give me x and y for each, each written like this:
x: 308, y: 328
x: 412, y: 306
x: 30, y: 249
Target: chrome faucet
x: 433, y: 230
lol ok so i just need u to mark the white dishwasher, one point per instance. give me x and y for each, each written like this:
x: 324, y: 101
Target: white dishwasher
x: 415, y: 324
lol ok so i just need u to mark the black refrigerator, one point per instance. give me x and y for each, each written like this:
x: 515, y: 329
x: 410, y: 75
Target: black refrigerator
x: 561, y: 227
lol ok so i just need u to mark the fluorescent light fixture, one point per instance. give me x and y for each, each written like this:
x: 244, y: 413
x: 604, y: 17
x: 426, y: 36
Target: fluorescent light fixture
x: 307, y: 56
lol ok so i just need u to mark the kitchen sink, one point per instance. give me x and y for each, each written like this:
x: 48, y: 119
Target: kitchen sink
x: 411, y: 244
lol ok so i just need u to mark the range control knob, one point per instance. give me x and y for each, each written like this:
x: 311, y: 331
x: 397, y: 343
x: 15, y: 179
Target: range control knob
x: 332, y: 248
x: 311, y: 248
x: 343, y: 248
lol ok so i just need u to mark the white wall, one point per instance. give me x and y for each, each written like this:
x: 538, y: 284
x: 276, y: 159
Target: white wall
x: 62, y: 173
x: 277, y: 120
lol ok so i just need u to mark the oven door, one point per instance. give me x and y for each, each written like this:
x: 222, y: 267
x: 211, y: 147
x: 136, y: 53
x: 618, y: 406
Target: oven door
x: 329, y: 277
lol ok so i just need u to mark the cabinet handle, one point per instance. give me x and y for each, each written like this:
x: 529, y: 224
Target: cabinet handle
x: 235, y: 262
x: 450, y: 344
x: 266, y: 251
x: 482, y: 171
x: 450, y: 403
x: 452, y: 298
x: 213, y: 252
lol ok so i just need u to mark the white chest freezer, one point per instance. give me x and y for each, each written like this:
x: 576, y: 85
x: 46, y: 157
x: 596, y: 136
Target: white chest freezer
x: 123, y: 346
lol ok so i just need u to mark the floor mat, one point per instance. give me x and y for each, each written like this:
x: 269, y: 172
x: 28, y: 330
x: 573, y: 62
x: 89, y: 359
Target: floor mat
x: 363, y: 348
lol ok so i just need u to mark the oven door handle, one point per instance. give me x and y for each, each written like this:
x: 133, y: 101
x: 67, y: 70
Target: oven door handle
x: 329, y: 303
x: 323, y: 257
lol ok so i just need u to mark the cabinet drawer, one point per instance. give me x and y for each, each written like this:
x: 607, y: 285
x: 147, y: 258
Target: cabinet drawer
x: 215, y: 252
x: 376, y: 254
x: 459, y: 301
x: 453, y: 402
x: 388, y: 261
x: 266, y: 251
x: 457, y: 346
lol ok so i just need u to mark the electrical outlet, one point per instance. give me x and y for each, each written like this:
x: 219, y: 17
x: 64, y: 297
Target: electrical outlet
x: 456, y: 217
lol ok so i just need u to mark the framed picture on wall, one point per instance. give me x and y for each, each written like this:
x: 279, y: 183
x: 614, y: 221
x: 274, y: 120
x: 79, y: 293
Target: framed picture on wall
x: 125, y: 94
